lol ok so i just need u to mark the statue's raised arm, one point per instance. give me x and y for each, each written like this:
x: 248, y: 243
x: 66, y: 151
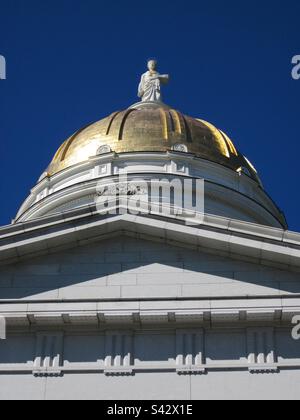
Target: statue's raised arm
x: 150, y: 85
x: 164, y: 78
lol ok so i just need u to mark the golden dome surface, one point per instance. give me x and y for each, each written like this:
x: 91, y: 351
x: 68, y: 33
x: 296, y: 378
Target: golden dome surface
x: 152, y: 128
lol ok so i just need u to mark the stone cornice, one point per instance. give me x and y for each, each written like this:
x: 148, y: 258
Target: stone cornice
x: 140, y: 313
x: 255, y: 243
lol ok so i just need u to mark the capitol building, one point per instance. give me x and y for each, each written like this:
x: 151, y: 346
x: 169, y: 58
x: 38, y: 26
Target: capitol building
x: 102, y: 301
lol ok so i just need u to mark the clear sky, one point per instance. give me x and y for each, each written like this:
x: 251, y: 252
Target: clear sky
x: 71, y: 62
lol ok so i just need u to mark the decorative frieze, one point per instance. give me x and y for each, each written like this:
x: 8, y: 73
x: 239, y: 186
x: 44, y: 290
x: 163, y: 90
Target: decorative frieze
x: 261, y: 350
x: 121, y: 352
x: 190, y: 351
x: 118, y: 353
x: 49, y: 354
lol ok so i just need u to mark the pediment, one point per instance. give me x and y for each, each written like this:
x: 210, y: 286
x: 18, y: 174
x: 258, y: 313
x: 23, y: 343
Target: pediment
x: 255, y: 243
x: 123, y: 267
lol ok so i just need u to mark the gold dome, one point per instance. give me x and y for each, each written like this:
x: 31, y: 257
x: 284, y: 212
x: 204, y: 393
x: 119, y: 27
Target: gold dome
x: 150, y: 129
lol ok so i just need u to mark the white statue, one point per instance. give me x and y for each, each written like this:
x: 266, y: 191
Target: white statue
x: 150, y: 86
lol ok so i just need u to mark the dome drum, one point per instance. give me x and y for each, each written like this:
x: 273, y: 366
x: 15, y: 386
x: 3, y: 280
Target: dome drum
x: 227, y: 193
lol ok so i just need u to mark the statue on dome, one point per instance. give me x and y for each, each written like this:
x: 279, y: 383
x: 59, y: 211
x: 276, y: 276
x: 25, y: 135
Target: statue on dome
x: 150, y: 85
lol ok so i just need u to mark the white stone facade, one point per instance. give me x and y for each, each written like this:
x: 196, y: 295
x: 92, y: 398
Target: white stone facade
x: 131, y: 307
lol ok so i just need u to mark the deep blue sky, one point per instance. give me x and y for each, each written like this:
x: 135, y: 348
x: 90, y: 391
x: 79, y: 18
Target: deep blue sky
x: 73, y: 62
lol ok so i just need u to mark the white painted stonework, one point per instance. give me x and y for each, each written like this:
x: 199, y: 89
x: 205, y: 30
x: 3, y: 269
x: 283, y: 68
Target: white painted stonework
x: 134, y: 307
x: 227, y: 193
x: 124, y: 306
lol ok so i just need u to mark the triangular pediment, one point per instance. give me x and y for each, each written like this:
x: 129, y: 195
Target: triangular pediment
x: 123, y: 267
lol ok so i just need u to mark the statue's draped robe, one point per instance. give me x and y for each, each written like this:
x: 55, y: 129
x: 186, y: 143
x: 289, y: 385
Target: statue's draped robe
x: 150, y: 87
